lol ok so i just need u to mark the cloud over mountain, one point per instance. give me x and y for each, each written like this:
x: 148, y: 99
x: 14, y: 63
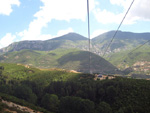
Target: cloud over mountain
x: 139, y: 11
x: 6, y: 6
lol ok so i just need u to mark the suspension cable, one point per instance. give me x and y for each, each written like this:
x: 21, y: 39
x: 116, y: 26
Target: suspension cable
x: 135, y: 49
x: 118, y: 28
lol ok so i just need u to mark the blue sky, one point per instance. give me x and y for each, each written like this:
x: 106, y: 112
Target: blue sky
x: 46, y: 19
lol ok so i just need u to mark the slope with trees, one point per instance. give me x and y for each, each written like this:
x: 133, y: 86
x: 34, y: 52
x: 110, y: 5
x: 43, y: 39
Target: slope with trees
x: 73, y: 92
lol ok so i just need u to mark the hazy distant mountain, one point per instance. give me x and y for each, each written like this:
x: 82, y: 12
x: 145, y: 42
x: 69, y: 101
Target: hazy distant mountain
x: 71, y: 40
x: 70, y: 59
x: 72, y: 37
x: 122, y: 41
x: 123, y: 36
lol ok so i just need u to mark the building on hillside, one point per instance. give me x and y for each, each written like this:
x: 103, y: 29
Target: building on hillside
x: 103, y: 77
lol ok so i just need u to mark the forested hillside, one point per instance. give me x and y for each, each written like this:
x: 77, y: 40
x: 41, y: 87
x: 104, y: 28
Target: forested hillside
x: 59, y: 91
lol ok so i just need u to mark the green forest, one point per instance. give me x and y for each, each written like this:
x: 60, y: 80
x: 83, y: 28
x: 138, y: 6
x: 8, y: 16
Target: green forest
x: 60, y: 91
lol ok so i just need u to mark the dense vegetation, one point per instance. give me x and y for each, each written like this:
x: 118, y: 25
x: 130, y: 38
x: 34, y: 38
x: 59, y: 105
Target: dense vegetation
x: 59, y: 91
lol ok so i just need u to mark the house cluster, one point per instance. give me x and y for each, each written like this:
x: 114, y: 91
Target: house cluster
x: 103, y: 77
x: 142, y: 66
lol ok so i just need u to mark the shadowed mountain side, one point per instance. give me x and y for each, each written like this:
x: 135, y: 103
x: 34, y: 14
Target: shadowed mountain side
x: 79, y: 61
x: 70, y: 59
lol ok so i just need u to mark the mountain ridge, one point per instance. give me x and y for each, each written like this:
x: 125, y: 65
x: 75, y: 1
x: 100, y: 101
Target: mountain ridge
x: 122, y: 43
x: 47, y: 45
x: 70, y: 36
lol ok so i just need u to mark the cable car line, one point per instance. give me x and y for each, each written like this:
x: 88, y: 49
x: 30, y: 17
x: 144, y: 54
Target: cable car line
x: 118, y: 28
x: 113, y: 35
x: 135, y: 50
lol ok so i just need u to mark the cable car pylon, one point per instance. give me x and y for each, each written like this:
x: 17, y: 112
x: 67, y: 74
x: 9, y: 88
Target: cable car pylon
x: 88, y: 17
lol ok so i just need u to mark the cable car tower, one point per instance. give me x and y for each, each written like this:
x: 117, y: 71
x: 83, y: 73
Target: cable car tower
x: 89, y: 45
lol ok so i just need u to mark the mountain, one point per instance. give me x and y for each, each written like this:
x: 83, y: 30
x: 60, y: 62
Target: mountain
x: 70, y: 59
x: 122, y: 45
x: 71, y: 37
x: 123, y: 36
x: 138, y: 60
x: 71, y: 40
x: 122, y: 41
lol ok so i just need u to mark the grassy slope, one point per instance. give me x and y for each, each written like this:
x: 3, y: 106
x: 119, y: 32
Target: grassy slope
x: 141, y: 54
x: 71, y: 59
x: 35, y: 58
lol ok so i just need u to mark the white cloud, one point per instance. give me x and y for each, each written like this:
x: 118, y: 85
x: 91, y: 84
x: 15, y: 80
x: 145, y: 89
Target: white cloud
x: 64, y: 9
x: 6, y: 6
x: 117, y: 2
x: 7, y: 39
x: 58, y: 10
x: 45, y: 37
x: 139, y: 11
x: 107, y: 17
x: 38, y: 36
x: 34, y: 30
x: 62, y: 32
x: 98, y: 32
x: 124, y: 3
x: 59, y: 33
